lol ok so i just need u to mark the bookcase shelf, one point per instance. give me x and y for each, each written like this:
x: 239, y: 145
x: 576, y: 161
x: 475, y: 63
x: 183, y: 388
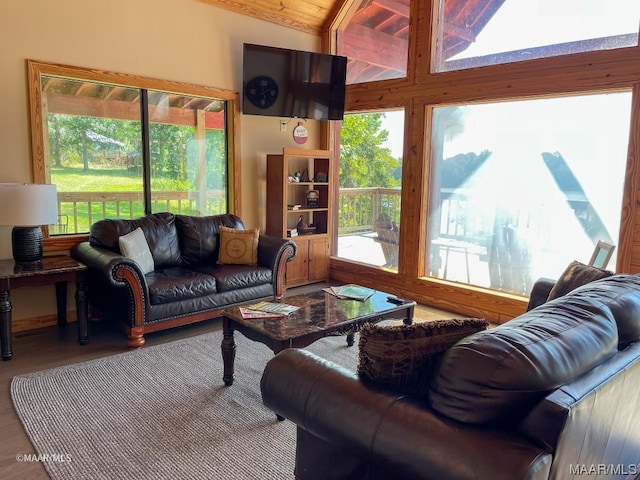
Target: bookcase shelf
x: 312, y: 261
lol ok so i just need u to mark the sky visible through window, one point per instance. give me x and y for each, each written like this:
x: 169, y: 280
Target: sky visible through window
x: 589, y: 133
x: 548, y: 22
x: 533, y: 23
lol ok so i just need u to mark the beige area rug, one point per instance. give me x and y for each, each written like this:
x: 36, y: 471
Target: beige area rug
x: 162, y: 412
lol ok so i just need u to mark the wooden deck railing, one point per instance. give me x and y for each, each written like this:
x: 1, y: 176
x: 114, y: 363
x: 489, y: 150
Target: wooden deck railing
x: 358, y: 208
x: 79, y: 210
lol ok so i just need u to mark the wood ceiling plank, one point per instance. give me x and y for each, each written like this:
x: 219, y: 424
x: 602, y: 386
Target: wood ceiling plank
x: 313, y: 13
x: 308, y: 17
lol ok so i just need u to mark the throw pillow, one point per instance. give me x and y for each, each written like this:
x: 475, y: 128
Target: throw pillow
x: 576, y: 275
x: 404, y: 357
x: 134, y: 246
x: 238, y: 247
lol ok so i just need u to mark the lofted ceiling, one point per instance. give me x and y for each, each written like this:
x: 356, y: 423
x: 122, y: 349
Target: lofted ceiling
x: 308, y: 16
x: 374, y: 33
x: 374, y: 37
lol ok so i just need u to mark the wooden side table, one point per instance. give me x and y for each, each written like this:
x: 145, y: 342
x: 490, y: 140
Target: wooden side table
x: 58, y: 269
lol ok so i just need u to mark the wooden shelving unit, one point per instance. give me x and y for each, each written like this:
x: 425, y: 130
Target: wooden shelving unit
x: 287, y: 202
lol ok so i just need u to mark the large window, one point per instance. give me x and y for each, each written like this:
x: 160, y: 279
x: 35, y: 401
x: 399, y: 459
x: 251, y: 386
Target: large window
x: 370, y: 187
x: 122, y: 151
x: 520, y: 189
x: 488, y: 32
x: 521, y: 148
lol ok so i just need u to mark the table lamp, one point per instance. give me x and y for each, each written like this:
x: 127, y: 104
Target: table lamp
x: 26, y: 207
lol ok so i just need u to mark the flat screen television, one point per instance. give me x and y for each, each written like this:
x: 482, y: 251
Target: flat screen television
x: 279, y: 82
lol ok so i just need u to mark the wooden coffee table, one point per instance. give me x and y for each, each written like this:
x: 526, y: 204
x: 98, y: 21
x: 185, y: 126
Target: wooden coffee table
x: 320, y: 315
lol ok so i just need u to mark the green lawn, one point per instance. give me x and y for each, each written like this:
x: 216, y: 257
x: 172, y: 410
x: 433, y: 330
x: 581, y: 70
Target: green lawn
x: 95, y: 180
x: 100, y: 179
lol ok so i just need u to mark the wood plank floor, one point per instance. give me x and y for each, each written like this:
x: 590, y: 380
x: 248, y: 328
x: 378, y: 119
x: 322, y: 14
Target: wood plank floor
x: 52, y: 347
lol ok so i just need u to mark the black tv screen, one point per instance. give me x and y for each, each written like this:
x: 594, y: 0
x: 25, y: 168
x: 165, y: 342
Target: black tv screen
x: 279, y: 82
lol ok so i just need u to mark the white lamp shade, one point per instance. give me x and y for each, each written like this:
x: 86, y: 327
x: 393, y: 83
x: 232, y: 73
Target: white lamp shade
x: 28, y: 204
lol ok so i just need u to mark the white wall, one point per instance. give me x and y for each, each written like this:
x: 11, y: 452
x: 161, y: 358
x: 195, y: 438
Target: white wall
x: 181, y: 40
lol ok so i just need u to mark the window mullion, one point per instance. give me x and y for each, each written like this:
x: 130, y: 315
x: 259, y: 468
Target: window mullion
x: 146, y: 150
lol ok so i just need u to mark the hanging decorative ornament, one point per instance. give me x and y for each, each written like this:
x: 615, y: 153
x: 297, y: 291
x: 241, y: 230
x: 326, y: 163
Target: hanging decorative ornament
x: 300, y: 134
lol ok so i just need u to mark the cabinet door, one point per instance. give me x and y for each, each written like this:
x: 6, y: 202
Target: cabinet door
x: 298, y: 268
x: 318, y: 259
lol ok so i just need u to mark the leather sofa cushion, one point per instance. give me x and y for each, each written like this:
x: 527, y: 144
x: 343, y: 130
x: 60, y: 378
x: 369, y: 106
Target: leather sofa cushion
x: 199, y: 236
x: 178, y: 283
x: 496, y: 375
x: 233, y: 277
x: 622, y: 294
x: 159, y: 230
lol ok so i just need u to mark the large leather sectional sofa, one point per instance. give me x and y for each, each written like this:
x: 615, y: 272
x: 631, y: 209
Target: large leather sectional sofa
x: 187, y: 284
x: 551, y: 394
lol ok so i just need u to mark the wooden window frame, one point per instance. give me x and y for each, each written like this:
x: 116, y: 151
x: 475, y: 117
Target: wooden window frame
x: 579, y: 73
x: 35, y: 70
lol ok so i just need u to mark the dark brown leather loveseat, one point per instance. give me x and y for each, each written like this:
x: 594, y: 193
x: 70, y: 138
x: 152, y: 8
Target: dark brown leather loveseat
x: 554, y: 393
x: 187, y: 284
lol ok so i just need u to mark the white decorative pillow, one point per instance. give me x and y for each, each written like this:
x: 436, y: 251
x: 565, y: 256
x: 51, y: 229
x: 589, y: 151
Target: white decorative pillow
x: 134, y: 246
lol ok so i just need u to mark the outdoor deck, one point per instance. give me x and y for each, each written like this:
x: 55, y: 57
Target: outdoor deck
x: 461, y: 263
x: 361, y: 247
x: 358, y: 211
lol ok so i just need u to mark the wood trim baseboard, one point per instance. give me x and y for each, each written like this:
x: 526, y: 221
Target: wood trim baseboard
x: 496, y: 307
x: 33, y: 323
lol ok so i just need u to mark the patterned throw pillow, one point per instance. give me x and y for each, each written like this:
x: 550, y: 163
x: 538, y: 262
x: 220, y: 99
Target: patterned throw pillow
x: 134, y: 246
x: 576, y: 275
x: 404, y: 357
x: 238, y: 247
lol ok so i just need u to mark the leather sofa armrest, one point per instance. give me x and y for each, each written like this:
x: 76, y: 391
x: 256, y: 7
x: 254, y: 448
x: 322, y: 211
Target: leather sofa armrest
x: 540, y: 292
x: 114, y: 269
x: 117, y: 271
x: 599, y: 406
x: 390, y: 429
x: 274, y: 253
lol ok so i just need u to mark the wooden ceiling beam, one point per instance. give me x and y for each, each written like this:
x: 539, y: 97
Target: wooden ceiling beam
x: 394, y: 7
x: 382, y: 26
x: 365, y: 15
x: 376, y: 48
x: 93, y: 107
x: 459, y: 32
x: 403, y: 32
